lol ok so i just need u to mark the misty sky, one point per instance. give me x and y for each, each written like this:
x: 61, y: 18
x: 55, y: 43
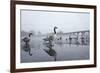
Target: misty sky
x: 44, y: 21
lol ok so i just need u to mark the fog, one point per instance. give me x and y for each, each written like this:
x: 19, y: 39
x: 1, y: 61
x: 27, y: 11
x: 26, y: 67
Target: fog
x: 44, y: 21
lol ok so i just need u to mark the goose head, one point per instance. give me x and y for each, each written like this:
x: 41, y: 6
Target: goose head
x: 30, y: 34
x: 55, y: 29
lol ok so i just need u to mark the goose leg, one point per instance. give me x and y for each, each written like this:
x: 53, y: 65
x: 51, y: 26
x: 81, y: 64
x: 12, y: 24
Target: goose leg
x: 30, y: 52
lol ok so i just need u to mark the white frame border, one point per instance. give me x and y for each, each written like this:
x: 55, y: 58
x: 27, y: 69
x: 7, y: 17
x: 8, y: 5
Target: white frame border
x: 52, y: 64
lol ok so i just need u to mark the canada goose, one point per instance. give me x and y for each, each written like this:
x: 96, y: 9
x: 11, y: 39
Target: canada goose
x: 26, y: 47
x: 49, y: 43
x: 51, y: 37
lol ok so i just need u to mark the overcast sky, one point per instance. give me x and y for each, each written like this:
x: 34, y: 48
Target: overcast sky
x: 44, y: 21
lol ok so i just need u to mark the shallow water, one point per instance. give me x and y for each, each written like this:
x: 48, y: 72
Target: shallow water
x: 64, y: 51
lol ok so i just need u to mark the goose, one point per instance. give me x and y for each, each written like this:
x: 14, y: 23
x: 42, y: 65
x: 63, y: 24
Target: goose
x: 26, y: 47
x: 50, y: 44
x: 51, y: 38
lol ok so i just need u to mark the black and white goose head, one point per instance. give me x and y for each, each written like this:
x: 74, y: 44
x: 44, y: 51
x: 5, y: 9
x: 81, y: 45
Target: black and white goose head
x: 30, y: 34
x: 55, y: 29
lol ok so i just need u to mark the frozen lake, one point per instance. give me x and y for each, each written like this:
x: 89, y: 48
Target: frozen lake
x: 64, y: 51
